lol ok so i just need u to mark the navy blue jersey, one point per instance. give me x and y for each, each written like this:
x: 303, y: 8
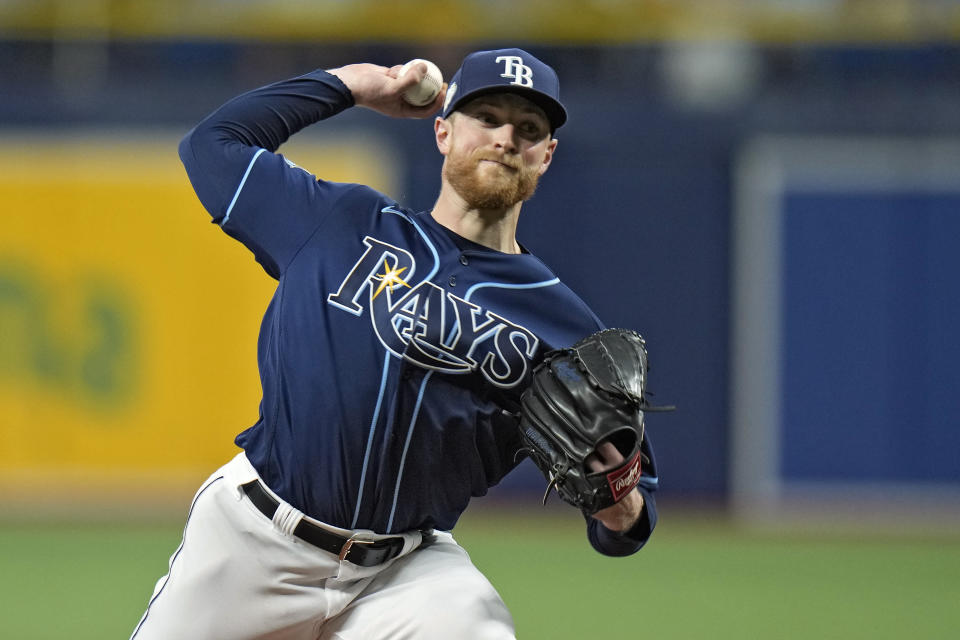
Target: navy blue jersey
x: 394, y: 351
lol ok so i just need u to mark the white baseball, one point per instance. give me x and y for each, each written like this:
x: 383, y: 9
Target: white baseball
x: 427, y: 89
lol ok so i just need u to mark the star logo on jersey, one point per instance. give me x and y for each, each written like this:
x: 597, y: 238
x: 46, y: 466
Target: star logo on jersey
x: 429, y: 326
x: 390, y: 278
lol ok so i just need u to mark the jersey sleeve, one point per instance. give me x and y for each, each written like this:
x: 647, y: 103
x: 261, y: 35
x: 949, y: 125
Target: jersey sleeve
x: 254, y: 194
x: 612, y: 543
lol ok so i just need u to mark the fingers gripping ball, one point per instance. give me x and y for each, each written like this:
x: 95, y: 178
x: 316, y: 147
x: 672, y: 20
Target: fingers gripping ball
x: 425, y: 91
x: 579, y: 398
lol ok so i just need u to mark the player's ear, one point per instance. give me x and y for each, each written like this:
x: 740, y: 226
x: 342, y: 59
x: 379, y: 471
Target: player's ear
x: 441, y: 131
x: 548, y: 156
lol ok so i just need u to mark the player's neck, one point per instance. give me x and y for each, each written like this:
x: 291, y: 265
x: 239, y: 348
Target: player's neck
x: 493, y: 228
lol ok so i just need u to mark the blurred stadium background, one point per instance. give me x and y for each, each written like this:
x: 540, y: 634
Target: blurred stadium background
x: 768, y: 190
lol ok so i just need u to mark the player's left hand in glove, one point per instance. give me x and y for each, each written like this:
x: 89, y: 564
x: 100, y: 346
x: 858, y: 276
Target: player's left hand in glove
x: 580, y: 401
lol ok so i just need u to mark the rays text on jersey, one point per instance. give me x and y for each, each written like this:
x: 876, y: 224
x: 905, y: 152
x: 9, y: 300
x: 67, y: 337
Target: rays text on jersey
x: 429, y: 326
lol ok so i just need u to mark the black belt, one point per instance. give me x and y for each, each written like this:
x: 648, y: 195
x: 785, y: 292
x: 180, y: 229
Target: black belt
x: 364, y: 553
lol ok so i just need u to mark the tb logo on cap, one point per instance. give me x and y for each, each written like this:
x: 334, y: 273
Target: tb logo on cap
x: 514, y: 68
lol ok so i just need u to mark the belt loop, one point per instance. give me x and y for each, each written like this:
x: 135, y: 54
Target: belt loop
x: 286, y: 518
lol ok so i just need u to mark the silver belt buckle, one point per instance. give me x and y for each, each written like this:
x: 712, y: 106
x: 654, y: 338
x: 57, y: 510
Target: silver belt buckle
x: 352, y: 540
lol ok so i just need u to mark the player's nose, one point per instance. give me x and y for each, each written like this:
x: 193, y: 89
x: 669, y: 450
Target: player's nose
x: 505, y: 137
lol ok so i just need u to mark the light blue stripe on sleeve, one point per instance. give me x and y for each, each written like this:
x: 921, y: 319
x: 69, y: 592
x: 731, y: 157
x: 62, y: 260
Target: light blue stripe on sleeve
x: 243, y: 181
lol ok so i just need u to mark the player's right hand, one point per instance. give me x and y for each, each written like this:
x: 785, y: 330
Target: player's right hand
x: 378, y: 88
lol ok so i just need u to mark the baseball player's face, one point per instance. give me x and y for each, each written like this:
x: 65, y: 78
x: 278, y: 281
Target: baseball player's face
x: 496, y: 149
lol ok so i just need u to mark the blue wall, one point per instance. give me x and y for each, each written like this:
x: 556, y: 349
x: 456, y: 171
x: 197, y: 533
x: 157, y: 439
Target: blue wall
x: 871, y: 314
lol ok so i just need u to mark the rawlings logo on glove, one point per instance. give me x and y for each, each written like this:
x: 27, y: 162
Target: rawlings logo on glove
x: 578, y: 398
x: 625, y: 478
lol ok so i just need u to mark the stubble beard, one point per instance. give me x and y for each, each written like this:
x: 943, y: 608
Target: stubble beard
x: 491, y: 188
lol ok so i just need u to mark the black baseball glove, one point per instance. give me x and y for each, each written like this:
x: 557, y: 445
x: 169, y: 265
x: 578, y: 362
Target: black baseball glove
x: 580, y: 397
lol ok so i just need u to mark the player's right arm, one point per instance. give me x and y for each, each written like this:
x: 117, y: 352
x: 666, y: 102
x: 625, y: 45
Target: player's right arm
x: 217, y: 152
x: 253, y: 193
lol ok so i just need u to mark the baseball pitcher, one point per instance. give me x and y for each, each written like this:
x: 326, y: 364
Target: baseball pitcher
x: 409, y: 360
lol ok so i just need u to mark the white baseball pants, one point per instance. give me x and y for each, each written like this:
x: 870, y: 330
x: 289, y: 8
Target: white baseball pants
x: 239, y: 576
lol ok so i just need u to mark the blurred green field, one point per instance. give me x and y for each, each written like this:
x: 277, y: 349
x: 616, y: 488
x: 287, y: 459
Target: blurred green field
x: 698, y: 578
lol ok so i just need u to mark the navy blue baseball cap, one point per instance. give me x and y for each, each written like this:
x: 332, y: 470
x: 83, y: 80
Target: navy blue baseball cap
x: 506, y: 70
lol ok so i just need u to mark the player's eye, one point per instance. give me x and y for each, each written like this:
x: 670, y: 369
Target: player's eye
x: 531, y: 129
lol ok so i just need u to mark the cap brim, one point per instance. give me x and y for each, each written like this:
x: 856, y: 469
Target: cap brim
x: 555, y: 112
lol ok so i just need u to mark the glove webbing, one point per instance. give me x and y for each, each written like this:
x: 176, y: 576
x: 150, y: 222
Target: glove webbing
x: 619, y: 384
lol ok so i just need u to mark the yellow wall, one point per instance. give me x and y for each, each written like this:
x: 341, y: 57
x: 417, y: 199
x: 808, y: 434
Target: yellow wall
x: 128, y: 321
x: 440, y: 21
